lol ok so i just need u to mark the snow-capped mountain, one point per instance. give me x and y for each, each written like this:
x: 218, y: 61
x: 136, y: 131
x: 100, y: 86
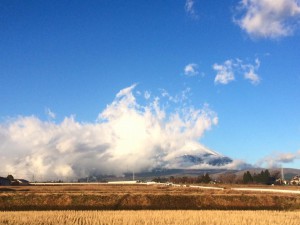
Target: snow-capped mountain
x: 205, y: 159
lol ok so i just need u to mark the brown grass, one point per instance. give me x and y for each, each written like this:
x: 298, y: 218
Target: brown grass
x: 150, y: 217
x: 139, y: 197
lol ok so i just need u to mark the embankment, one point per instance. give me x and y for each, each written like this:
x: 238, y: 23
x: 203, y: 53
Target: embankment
x: 131, y: 201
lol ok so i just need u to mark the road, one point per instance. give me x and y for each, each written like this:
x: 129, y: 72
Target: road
x: 267, y: 190
x: 178, y: 185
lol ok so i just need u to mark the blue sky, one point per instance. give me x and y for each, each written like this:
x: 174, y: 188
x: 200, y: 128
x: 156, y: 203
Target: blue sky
x: 239, y: 58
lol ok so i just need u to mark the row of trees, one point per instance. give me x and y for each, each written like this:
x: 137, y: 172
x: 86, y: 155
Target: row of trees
x: 204, y: 178
x: 264, y: 177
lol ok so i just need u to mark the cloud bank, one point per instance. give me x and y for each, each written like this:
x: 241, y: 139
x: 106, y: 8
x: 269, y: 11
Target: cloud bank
x: 269, y: 18
x: 126, y: 135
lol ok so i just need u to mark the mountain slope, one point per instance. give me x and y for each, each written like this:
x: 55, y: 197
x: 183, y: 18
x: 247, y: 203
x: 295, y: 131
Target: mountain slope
x: 208, y: 159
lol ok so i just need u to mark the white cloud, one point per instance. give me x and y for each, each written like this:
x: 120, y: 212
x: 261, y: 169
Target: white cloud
x: 269, y: 18
x: 126, y: 91
x: 191, y: 70
x: 147, y: 95
x: 190, y: 8
x: 253, y: 77
x: 250, y: 72
x: 226, y: 71
x: 178, y: 98
x: 126, y: 135
x: 278, y: 158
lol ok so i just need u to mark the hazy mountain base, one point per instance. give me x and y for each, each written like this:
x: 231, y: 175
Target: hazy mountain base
x: 205, y: 162
x: 213, y: 173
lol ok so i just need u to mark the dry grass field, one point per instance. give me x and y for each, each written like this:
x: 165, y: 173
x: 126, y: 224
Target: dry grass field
x: 139, y: 197
x: 150, y: 217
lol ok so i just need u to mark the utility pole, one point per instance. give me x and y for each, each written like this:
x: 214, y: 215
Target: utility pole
x: 282, y: 174
x: 133, y: 174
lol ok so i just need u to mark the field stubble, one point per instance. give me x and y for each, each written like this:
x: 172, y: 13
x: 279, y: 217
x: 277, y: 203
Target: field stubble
x: 159, y: 217
x: 139, y: 197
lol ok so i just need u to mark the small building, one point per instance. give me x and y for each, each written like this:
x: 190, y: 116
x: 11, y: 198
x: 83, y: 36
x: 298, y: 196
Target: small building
x: 22, y: 182
x: 4, y: 181
x: 295, y: 180
x: 281, y: 182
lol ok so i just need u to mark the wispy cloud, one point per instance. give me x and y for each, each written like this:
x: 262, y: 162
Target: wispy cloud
x: 269, y: 18
x: 191, y: 70
x: 147, y: 95
x: 277, y: 159
x: 178, y: 98
x: 227, y: 71
x: 190, y: 8
x: 250, y: 72
x: 50, y: 114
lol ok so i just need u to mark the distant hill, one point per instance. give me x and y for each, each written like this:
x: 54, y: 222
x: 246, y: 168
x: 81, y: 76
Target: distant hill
x: 166, y: 173
x: 214, y: 173
x: 258, y: 170
x: 192, y: 165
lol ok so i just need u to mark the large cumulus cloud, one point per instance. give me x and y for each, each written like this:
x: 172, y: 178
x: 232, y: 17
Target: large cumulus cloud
x: 126, y: 135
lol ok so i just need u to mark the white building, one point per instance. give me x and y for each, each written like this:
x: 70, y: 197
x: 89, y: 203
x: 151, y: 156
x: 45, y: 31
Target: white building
x: 295, y: 180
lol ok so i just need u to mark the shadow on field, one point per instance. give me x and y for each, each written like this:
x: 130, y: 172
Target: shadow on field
x: 7, y: 190
x: 12, y: 190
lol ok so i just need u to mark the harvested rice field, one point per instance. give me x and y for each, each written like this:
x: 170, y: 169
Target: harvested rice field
x: 158, y: 217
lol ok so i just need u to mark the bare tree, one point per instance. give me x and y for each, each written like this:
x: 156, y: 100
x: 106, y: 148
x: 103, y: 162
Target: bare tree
x: 227, y: 178
x: 10, y: 178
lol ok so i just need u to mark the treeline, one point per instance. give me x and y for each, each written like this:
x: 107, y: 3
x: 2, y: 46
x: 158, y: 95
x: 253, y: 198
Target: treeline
x: 264, y: 177
x: 204, y: 178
